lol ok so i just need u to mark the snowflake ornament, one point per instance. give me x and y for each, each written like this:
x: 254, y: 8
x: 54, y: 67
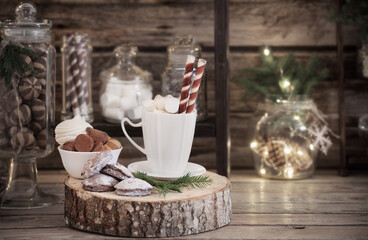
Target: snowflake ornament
x: 320, y: 137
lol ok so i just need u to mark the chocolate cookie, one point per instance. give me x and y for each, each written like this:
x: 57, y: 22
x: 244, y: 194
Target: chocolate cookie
x: 23, y: 139
x: 99, y: 183
x: 118, y: 171
x: 38, y: 108
x: 41, y: 138
x: 29, y: 88
x: 69, y: 146
x: 96, y: 163
x: 133, y: 187
x: 37, y: 126
x: 20, y: 115
x: 3, y: 139
x: 12, y: 99
x: 112, y: 144
x: 98, y: 135
x: 84, y: 143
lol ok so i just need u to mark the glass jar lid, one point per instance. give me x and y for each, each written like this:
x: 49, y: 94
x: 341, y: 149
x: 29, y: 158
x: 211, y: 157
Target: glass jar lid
x: 26, y: 27
x: 25, y: 17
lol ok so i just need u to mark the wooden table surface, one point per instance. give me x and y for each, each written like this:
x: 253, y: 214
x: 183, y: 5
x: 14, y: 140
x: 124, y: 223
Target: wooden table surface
x: 324, y: 207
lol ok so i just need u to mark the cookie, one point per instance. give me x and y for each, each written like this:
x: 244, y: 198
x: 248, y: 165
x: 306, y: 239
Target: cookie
x: 99, y: 147
x: 96, y: 163
x: 20, y: 115
x: 98, y: 135
x: 133, y: 187
x: 41, y: 138
x: 99, y: 183
x: 38, y: 108
x: 69, y: 146
x: 23, y: 139
x: 12, y: 99
x: 112, y: 144
x: 37, y: 126
x: 117, y: 170
x: 29, y: 88
x: 84, y: 143
x: 3, y: 139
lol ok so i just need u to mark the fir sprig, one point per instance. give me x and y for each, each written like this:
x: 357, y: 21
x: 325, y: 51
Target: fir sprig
x: 12, y: 59
x: 186, y: 181
x: 266, y: 79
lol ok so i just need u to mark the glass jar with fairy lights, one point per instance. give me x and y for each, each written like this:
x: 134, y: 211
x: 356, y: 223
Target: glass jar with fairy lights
x: 283, y: 147
x: 27, y: 90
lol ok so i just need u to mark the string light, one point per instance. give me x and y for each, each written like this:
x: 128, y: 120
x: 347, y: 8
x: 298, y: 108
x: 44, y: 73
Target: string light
x: 287, y: 150
x: 300, y: 153
x: 262, y: 171
x: 266, y: 51
x: 253, y: 144
x: 311, y: 147
x: 289, y: 172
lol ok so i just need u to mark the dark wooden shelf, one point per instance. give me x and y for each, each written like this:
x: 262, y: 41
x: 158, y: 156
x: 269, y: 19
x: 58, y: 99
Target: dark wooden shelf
x: 205, y: 128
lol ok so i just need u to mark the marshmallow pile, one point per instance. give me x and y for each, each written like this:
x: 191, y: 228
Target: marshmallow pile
x: 160, y: 104
x: 124, y: 101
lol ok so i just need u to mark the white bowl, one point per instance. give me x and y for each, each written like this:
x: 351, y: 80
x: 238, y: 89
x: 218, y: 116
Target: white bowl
x: 74, y: 161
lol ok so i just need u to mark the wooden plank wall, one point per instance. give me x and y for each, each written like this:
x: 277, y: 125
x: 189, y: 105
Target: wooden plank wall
x: 299, y: 26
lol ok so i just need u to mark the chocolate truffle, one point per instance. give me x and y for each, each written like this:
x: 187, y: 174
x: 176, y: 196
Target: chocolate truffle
x: 29, y: 88
x: 133, y: 187
x: 98, y: 135
x: 84, y: 143
x: 112, y: 144
x: 99, y: 147
x: 99, y: 183
x: 38, y: 108
x: 20, y: 116
x: 69, y: 146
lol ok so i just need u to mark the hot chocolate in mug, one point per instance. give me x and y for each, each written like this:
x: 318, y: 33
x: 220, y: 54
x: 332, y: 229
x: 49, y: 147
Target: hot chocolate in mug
x: 167, y: 139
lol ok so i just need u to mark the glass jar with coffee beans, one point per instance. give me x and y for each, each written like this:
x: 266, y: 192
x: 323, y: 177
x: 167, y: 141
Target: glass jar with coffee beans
x: 27, y: 90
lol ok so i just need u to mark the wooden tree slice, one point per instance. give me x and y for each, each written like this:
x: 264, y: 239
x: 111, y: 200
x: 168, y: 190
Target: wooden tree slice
x: 190, y: 212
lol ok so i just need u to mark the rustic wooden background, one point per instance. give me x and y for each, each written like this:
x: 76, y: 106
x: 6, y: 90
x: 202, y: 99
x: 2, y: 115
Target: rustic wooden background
x: 299, y: 26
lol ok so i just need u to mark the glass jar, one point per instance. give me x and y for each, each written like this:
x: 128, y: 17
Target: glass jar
x: 76, y: 54
x: 282, y: 147
x: 124, y: 87
x: 27, y: 104
x: 172, y: 77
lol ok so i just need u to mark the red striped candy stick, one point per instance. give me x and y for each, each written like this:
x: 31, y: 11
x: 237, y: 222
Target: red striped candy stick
x: 187, y: 79
x: 196, y: 83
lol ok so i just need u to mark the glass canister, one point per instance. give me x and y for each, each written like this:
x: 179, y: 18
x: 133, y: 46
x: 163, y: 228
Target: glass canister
x: 172, y: 77
x: 76, y: 69
x: 27, y: 88
x: 282, y: 147
x: 124, y: 87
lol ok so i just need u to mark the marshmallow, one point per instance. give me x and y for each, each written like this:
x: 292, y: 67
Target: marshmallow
x: 114, y: 89
x: 171, y: 104
x: 128, y: 103
x: 113, y: 113
x: 135, y: 113
x: 129, y: 91
x: 146, y: 94
x: 159, y: 102
x: 109, y: 100
x: 148, y: 105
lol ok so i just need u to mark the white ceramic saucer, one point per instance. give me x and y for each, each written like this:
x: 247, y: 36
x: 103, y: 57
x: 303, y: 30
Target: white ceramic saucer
x: 142, y: 166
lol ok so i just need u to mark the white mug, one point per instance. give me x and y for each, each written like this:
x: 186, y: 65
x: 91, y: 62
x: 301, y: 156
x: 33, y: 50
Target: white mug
x: 167, y: 139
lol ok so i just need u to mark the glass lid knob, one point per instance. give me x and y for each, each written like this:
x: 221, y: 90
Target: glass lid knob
x: 25, y: 12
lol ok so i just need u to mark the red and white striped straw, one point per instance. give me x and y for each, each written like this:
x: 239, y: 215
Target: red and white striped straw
x: 196, y: 84
x: 187, y: 79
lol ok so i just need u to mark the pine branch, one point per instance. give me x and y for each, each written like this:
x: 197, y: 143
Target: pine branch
x: 186, y: 181
x: 12, y: 61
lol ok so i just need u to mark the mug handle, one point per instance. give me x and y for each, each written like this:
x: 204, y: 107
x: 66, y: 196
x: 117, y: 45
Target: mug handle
x: 128, y: 137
